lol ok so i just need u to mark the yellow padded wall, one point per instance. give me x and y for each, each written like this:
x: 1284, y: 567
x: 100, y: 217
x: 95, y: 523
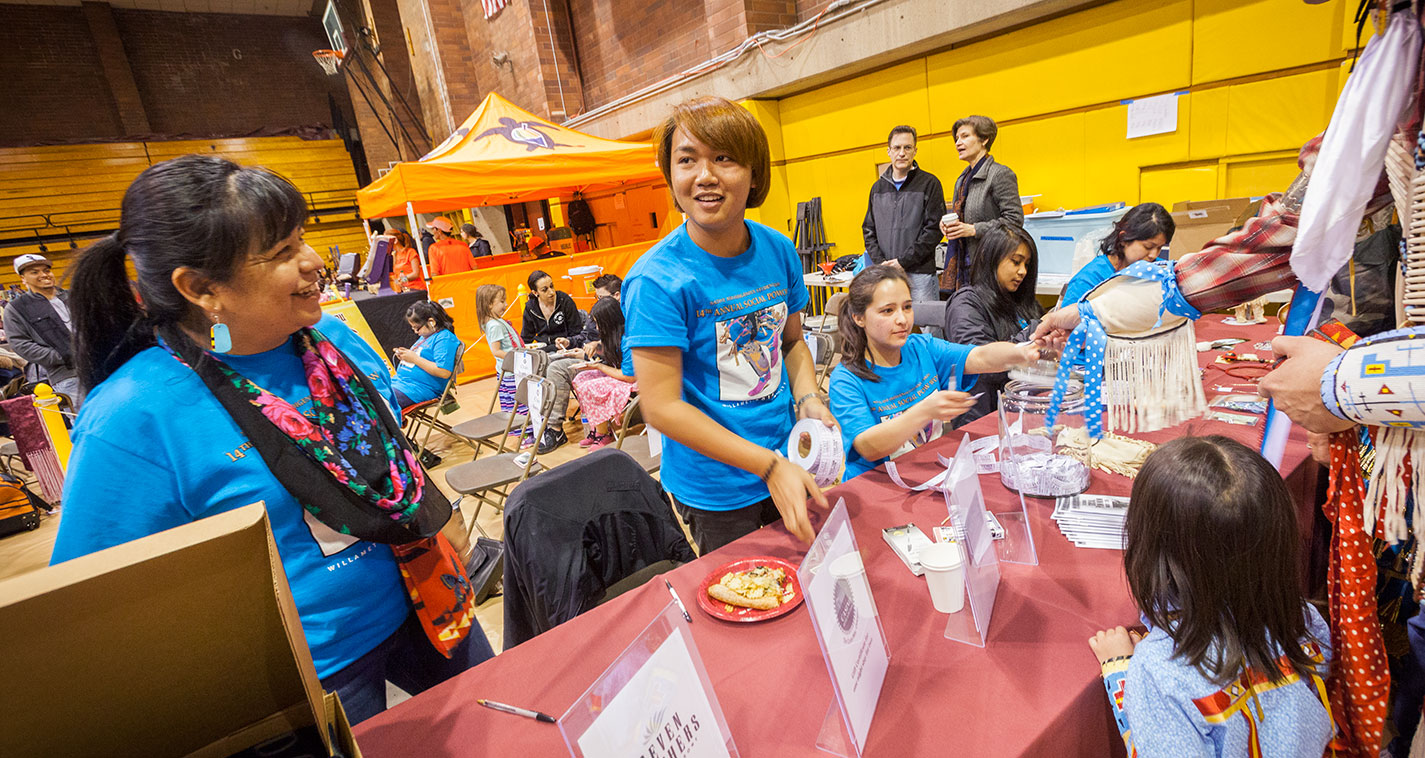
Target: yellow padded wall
x: 1279, y: 114
x: 1256, y: 178
x: 1168, y: 185
x: 1234, y: 38
x: 1207, y: 127
x: 856, y: 112
x: 1124, y: 49
x: 1112, y: 161
x: 843, y: 182
x: 1049, y: 157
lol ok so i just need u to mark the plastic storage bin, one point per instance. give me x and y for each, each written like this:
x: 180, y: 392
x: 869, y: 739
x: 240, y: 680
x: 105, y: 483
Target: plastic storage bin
x: 1056, y: 233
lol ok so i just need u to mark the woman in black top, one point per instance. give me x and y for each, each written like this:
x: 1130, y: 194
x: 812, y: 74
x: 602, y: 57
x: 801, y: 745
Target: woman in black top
x: 550, y: 316
x: 997, y: 306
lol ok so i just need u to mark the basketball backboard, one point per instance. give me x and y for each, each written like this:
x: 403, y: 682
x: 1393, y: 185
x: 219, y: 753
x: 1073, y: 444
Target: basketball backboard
x: 331, y: 21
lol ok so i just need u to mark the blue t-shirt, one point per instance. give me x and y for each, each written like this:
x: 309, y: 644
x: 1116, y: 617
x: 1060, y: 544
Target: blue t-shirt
x: 153, y: 449
x: 726, y: 315
x: 928, y: 364
x: 1094, y: 273
x: 441, y: 348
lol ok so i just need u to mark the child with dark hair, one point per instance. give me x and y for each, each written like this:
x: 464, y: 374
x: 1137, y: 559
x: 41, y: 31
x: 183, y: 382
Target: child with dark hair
x: 998, y: 306
x: 1234, y: 659
x: 604, y: 390
x: 427, y: 365
x: 895, y: 390
x: 1139, y: 236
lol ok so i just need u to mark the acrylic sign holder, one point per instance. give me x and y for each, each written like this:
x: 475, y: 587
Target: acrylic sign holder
x: 848, y: 629
x: 966, y: 502
x: 657, y: 695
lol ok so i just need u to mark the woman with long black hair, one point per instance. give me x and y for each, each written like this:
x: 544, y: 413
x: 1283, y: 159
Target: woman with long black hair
x: 223, y: 384
x: 998, y: 306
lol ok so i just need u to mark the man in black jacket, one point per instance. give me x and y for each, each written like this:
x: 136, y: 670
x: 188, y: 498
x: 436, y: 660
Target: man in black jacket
x: 38, y: 326
x: 902, y: 223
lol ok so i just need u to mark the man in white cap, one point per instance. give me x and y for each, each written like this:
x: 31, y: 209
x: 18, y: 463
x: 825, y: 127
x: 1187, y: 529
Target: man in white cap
x: 448, y: 255
x: 38, y: 327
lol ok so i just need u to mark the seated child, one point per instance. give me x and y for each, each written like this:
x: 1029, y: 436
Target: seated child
x: 426, y: 366
x: 604, y: 390
x: 1234, y: 657
x: 895, y: 390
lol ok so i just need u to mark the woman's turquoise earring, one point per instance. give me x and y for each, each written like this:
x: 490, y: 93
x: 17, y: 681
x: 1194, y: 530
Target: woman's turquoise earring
x: 220, y: 337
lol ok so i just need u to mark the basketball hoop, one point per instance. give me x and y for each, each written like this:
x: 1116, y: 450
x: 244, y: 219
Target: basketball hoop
x: 329, y: 60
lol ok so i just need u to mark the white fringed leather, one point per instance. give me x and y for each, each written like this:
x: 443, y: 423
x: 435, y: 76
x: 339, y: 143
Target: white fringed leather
x: 1152, y: 383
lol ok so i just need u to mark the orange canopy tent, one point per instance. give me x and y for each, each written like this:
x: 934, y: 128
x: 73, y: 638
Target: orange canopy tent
x: 505, y: 154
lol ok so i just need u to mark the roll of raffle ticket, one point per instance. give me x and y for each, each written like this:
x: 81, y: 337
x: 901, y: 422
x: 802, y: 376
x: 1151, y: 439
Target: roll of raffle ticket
x: 825, y: 458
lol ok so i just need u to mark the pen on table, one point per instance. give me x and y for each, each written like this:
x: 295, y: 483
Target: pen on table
x: 516, y: 710
x: 678, y: 600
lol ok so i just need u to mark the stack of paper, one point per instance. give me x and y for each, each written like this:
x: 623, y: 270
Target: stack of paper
x: 1092, y: 520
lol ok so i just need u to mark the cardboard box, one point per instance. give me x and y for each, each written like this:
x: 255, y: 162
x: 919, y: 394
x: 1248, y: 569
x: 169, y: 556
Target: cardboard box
x: 184, y: 643
x: 1202, y: 221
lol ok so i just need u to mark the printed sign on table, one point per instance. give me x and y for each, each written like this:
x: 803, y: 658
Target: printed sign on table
x: 848, y: 628
x: 655, y: 701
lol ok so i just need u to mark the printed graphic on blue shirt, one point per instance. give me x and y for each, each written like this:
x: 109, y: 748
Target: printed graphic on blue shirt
x: 749, y: 355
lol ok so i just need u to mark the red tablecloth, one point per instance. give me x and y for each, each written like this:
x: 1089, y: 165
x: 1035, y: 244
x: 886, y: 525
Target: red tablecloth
x: 1033, y: 691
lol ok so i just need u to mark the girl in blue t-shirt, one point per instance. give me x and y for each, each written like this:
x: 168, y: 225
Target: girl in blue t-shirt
x: 1139, y: 236
x: 895, y: 390
x: 1233, y: 659
x: 427, y: 365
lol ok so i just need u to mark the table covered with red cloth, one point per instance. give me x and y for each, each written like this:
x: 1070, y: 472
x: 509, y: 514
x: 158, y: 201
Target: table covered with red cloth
x: 1034, y: 690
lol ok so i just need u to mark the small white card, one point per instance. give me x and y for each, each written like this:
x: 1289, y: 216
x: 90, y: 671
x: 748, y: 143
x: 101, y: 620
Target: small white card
x: 524, y: 365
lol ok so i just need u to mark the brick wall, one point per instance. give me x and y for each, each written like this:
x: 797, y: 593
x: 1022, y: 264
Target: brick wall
x: 213, y: 72
x: 53, y: 86
x: 625, y: 45
x: 809, y: 8
x: 196, y: 73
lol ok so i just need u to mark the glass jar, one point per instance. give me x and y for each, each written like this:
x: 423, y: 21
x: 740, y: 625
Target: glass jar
x: 1036, y: 459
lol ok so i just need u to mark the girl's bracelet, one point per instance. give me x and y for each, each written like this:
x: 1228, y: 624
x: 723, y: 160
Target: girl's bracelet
x: 776, y: 458
x: 804, y: 398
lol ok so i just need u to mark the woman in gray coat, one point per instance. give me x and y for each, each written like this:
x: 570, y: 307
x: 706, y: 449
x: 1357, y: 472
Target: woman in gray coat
x: 986, y: 191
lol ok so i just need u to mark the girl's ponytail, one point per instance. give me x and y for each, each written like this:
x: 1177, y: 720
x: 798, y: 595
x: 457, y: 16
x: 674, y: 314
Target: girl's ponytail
x: 108, y: 320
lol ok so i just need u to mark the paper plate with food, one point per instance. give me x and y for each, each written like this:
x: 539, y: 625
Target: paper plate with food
x: 750, y: 589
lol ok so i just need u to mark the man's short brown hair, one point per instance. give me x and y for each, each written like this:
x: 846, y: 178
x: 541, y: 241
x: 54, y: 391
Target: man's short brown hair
x: 903, y: 129
x: 722, y: 125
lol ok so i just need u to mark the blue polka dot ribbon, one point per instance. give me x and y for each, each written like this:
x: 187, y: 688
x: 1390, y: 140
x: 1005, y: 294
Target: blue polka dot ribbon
x: 1089, y: 342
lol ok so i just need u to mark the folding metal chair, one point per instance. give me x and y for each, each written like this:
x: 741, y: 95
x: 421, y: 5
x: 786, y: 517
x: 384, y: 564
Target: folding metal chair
x: 428, y: 414
x: 637, y: 446
x: 823, y: 352
x: 488, y: 480
x: 483, y: 431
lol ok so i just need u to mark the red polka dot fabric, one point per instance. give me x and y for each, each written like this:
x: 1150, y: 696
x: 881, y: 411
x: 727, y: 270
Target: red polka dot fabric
x: 1360, y: 676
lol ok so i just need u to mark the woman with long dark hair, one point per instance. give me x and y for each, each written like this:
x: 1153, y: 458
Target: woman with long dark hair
x: 1139, y: 236
x: 223, y: 384
x: 895, y: 390
x: 604, y: 390
x: 998, y: 306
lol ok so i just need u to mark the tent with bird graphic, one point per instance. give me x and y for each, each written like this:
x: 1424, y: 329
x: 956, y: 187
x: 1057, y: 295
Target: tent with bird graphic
x: 504, y: 154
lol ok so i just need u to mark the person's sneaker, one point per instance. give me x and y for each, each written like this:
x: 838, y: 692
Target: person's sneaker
x: 552, y: 439
x: 588, y: 439
x: 603, y: 440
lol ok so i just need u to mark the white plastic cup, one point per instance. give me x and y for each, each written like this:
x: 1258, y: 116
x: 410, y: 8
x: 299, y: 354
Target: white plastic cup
x: 850, y: 568
x: 950, y: 218
x: 944, y: 565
